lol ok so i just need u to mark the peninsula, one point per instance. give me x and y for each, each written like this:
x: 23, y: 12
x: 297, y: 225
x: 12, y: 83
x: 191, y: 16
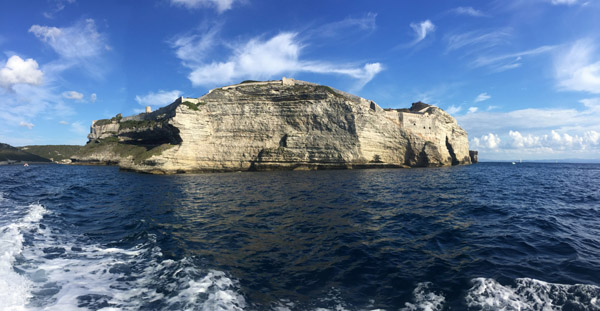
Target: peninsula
x: 272, y: 125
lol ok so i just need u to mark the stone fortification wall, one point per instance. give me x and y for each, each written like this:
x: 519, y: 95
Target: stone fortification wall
x: 422, y: 124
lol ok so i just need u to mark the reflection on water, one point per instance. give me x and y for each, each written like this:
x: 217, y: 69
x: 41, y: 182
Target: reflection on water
x: 293, y: 233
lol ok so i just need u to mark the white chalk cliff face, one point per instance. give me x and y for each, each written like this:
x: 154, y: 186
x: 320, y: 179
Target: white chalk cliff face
x: 285, y: 124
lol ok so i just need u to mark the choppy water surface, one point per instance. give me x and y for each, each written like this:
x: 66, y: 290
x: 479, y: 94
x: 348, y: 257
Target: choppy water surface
x: 485, y: 237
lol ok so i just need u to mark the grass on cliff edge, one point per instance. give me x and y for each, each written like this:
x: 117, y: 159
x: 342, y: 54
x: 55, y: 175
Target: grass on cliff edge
x: 138, y: 153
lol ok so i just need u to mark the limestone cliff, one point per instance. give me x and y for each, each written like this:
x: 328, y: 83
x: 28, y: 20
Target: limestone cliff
x: 286, y: 124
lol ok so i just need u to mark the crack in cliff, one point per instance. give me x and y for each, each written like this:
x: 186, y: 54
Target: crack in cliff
x: 451, y: 151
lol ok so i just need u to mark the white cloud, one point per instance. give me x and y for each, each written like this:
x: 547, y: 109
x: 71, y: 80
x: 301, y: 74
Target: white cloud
x: 422, y: 29
x: 63, y: 122
x: 160, y: 98
x: 16, y: 71
x: 26, y: 124
x: 567, y: 2
x: 520, y: 141
x: 488, y: 141
x: 73, y: 95
x: 575, y: 70
x: 553, y: 133
x: 93, y: 97
x: 220, y: 5
x: 473, y: 109
x: 453, y: 109
x: 482, y: 97
x: 467, y: 10
x: 552, y: 141
x: 79, y: 41
x: 260, y: 59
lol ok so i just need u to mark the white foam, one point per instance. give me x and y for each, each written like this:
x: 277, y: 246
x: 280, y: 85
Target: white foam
x: 62, y: 275
x: 532, y: 294
x: 425, y: 299
x: 14, y: 287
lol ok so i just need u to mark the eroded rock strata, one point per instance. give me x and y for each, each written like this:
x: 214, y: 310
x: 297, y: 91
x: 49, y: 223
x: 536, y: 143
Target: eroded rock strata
x: 285, y: 124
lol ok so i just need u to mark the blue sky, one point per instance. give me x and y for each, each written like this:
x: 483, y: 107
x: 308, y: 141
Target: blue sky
x: 521, y: 76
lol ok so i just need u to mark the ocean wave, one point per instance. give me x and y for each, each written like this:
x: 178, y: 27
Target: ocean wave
x: 425, y: 299
x: 531, y: 294
x: 43, y: 270
x: 15, y: 289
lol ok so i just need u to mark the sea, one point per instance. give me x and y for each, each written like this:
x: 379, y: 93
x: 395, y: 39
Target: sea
x: 489, y: 236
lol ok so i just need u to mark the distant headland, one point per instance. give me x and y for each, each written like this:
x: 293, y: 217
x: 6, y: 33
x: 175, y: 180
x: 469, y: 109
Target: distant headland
x: 272, y: 125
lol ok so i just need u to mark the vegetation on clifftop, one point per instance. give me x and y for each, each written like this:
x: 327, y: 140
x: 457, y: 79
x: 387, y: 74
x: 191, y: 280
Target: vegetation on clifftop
x: 10, y: 153
x: 190, y: 105
x: 52, y: 152
x: 114, y: 119
x: 138, y: 153
x: 135, y: 124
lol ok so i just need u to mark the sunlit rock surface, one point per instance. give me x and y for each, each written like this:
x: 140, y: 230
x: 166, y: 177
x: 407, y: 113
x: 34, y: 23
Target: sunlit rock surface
x: 284, y: 124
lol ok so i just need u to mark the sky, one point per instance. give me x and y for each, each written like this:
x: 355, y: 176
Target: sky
x: 522, y: 77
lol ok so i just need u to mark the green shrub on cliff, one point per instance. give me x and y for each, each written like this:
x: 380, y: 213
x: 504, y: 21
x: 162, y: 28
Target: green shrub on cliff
x: 114, y: 119
x: 135, y: 124
x: 190, y: 105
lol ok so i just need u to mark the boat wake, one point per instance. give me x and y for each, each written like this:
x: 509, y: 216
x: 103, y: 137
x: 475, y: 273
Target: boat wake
x: 40, y: 269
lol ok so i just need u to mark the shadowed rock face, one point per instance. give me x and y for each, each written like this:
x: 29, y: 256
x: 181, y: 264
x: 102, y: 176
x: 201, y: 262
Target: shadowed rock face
x: 265, y: 126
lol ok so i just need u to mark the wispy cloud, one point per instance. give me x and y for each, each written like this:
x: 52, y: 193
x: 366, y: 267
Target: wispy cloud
x: 93, y: 97
x: 567, y: 2
x: 220, y: 5
x: 576, y: 69
x: 482, y: 97
x: 421, y: 30
x: 453, y: 109
x: 258, y: 58
x: 26, y: 124
x: 158, y: 99
x: 334, y: 29
x: 59, y: 5
x: 73, y: 95
x: 467, y: 10
x: 510, y: 60
x: 194, y: 47
x: 78, y: 128
x: 477, y: 40
x: 18, y: 71
x: 78, y: 45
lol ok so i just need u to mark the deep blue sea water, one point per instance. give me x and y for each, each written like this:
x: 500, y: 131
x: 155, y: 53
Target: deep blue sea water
x: 491, y: 236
